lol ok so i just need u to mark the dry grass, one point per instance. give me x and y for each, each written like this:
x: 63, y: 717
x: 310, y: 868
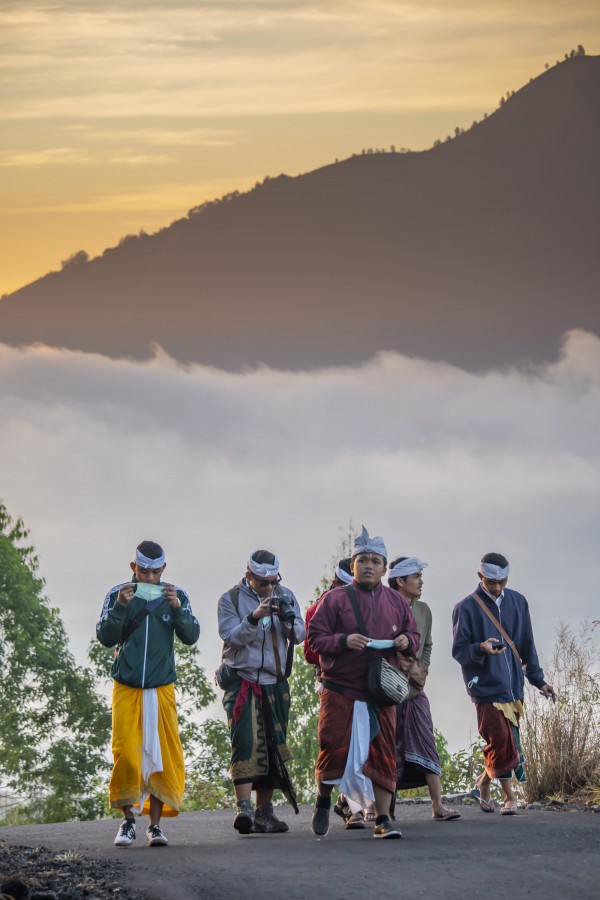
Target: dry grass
x: 562, y: 740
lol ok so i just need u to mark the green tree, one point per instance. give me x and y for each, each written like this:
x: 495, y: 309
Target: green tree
x: 54, y: 727
x: 302, y: 728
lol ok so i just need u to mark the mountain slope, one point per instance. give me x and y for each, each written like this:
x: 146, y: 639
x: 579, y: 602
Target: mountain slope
x: 480, y: 251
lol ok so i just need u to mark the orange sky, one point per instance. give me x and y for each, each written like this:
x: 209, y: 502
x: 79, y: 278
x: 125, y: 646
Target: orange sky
x: 120, y: 117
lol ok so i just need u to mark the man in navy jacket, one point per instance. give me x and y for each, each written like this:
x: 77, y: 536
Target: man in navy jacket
x: 494, y: 676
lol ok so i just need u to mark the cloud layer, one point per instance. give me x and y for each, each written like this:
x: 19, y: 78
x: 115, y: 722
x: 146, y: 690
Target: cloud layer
x: 97, y: 455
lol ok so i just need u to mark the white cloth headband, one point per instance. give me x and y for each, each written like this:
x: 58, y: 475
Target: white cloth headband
x: 363, y: 543
x: 264, y: 570
x: 144, y: 562
x: 493, y: 572
x: 410, y: 566
x: 343, y: 576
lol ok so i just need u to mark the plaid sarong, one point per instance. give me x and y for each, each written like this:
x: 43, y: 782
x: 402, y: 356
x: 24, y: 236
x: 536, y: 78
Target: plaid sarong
x: 416, y: 752
x: 500, y: 754
x: 335, y: 729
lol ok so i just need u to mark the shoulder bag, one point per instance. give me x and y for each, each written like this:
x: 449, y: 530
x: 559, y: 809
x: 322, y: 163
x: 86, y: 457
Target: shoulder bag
x: 386, y: 684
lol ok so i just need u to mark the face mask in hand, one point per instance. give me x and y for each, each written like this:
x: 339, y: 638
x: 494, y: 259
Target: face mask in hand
x: 148, y: 591
x: 380, y: 645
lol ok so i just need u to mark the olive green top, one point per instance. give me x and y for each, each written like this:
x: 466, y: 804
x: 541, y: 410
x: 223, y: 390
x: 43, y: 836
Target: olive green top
x: 422, y: 614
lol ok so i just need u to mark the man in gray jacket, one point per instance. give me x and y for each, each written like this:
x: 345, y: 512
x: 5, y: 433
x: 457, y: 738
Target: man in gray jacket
x: 259, y: 622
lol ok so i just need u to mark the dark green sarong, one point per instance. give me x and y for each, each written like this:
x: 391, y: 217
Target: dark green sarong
x: 250, y: 758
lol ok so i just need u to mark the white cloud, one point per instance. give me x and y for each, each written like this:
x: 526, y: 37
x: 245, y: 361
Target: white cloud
x: 98, y: 455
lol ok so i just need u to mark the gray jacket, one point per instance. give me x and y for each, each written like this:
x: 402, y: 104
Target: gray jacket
x: 248, y: 647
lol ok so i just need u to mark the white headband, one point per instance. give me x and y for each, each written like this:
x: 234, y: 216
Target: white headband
x: 264, y: 570
x: 494, y: 573
x: 410, y: 566
x: 343, y: 576
x: 144, y: 562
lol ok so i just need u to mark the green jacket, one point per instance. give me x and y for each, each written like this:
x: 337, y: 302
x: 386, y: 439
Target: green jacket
x: 147, y: 658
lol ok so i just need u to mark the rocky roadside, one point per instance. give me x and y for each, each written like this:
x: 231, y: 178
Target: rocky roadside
x: 548, y: 805
x: 36, y: 873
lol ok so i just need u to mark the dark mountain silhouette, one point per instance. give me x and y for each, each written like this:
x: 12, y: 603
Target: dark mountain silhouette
x: 480, y: 251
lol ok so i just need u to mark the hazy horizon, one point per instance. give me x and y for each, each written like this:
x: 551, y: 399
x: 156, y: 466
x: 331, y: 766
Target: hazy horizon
x: 445, y: 464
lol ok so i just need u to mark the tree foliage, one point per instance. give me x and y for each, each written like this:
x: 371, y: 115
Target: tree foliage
x: 302, y: 728
x: 54, y: 726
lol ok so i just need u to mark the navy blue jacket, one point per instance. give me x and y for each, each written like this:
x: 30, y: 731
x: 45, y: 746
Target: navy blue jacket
x: 495, y: 678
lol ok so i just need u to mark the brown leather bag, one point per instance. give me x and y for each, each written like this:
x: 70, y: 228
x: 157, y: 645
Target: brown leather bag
x: 415, y: 670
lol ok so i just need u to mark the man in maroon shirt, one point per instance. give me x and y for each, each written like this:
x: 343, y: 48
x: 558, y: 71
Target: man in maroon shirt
x: 357, y: 738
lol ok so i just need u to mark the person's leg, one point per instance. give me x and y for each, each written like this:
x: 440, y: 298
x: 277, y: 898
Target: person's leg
x: 384, y: 827
x: 154, y: 833
x: 319, y: 822
x: 265, y: 820
x: 383, y: 800
x: 438, y: 810
x: 510, y: 801
x: 264, y: 795
x: 244, y: 818
x: 156, y: 808
x: 324, y: 789
x: 484, y: 784
x: 243, y: 791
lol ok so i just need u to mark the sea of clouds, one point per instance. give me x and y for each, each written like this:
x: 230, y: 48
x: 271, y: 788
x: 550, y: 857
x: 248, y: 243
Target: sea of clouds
x: 98, y: 454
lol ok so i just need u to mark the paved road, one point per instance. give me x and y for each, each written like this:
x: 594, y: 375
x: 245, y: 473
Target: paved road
x: 538, y: 855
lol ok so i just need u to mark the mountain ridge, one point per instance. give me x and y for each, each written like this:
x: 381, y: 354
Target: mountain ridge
x: 479, y: 251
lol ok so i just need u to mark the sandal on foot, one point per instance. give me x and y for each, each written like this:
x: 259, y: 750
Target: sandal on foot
x: 508, y: 811
x: 446, y: 816
x: 485, y: 805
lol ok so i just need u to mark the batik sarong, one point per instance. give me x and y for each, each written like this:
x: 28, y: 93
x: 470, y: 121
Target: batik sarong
x: 500, y: 754
x: 335, y: 731
x: 416, y: 752
x: 247, y: 727
x: 148, y: 759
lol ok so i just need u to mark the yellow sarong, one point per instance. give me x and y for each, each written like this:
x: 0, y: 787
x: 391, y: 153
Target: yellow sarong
x: 128, y: 786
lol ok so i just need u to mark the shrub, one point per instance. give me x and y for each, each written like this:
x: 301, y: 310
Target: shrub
x: 562, y: 739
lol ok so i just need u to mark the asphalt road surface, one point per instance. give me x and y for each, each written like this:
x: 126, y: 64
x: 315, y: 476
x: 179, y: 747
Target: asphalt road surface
x: 537, y: 855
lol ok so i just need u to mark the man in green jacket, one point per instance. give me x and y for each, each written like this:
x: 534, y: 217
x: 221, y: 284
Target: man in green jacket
x: 141, y: 617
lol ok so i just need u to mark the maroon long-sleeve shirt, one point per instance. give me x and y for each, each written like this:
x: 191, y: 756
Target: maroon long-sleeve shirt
x: 387, y: 615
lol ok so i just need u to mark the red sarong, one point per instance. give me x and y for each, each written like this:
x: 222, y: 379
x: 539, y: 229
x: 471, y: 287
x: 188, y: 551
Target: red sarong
x: 335, y: 729
x: 500, y: 754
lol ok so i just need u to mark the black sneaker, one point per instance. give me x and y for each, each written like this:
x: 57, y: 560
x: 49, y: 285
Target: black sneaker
x: 387, y: 829
x: 244, y: 819
x: 266, y: 822
x: 319, y: 822
x: 156, y: 836
x: 126, y: 833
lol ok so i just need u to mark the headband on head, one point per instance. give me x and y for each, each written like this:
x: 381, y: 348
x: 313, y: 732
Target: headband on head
x: 363, y: 543
x: 343, y: 576
x: 410, y: 566
x: 144, y: 562
x: 264, y: 570
x: 493, y: 572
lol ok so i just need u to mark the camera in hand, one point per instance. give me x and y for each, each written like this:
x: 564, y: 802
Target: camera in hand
x: 283, y: 607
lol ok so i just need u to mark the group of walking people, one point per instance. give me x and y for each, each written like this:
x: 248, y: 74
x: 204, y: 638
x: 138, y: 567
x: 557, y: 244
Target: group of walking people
x: 369, y: 748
